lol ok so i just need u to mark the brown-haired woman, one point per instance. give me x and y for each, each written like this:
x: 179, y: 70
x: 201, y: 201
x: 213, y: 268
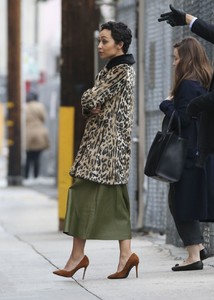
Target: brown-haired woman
x: 190, y: 197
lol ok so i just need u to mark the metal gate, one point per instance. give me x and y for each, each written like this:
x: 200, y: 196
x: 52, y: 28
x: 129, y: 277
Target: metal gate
x: 157, y: 67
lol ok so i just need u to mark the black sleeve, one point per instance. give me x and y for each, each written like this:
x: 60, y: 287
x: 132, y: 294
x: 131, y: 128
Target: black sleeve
x: 204, y: 30
x: 184, y: 94
x: 203, y: 103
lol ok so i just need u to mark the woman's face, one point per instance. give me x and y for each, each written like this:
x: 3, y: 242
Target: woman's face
x: 176, y: 57
x: 107, y: 47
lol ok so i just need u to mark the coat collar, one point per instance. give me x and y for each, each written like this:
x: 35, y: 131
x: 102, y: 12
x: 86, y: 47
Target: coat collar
x: 122, y: 59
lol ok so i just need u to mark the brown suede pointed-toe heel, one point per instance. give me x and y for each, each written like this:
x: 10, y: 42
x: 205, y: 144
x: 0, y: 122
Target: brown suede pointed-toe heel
x: 83, y: 264
x: 133, y: 261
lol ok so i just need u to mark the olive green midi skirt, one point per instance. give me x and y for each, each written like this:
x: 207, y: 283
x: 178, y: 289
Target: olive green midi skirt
x: 98, y: 211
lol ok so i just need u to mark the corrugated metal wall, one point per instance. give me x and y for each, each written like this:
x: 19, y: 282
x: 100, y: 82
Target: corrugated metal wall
x: 157, y: 84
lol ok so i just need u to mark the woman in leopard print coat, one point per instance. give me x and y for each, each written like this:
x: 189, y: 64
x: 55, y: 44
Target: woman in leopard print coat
x: 104, y: 152
x: 98, y: 201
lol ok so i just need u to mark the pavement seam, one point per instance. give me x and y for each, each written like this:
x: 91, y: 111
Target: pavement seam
x: 33, y: 247
x: 27, y: 243
x: 50, y: 262
x: 82, y: 286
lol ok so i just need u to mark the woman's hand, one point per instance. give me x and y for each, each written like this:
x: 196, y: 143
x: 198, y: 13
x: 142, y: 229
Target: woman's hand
x: 170, y: 98
x: 96, y: 110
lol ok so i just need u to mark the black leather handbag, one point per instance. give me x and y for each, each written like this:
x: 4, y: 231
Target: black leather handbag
x: 166, y: 157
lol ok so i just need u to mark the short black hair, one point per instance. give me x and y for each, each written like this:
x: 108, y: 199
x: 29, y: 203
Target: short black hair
x: 120, y: 32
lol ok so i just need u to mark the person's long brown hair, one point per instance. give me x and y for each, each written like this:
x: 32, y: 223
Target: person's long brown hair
x: 193, y: 64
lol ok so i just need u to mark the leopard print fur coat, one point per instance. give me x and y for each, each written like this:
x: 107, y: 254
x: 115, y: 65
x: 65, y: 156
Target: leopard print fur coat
x: 105, y: 148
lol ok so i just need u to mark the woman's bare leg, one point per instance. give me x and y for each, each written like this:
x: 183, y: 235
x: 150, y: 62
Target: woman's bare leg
x: 77, y: 254
x: 201, y: 247
x: 125, y: 253
x: 193, y: 255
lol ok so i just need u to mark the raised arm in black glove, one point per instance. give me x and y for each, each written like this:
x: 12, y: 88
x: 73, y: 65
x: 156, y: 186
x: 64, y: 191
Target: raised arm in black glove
x: 175, y: 17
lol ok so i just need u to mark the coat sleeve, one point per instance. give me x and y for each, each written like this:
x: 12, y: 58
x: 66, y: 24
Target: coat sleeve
x: 203, y: 103
x: 204, y: 30
x: 185, y: 93
x: 105, y: 88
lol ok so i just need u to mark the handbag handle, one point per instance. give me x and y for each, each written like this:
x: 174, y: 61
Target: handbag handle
x: 170, y: 123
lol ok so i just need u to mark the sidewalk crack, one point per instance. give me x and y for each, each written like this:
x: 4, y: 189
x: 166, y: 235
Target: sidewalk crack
x: 37, y: 251
x: 50, y: 262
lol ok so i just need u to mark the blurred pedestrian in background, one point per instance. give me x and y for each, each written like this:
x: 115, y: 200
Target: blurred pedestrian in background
x: 191, y: 198
x: 37, y: 138
x: 98, y: 202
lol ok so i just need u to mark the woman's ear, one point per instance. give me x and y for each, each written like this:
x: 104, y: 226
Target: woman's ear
x: 120, y: 45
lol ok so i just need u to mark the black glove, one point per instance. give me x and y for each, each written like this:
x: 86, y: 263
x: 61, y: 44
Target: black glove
x: 175, y: 17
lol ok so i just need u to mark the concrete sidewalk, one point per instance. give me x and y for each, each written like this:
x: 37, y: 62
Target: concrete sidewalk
x: 31, y: 248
